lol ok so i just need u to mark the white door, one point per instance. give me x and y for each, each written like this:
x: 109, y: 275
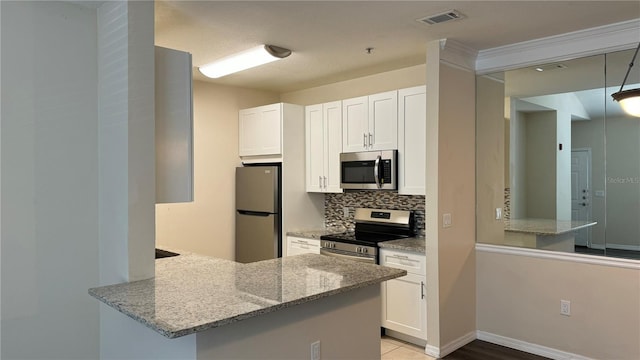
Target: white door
x: 355, y: 124
x: 333, y: 145
x: 314, y: 136
x: 412, y: 122
x: 382, y: 131
x: 581, y: 192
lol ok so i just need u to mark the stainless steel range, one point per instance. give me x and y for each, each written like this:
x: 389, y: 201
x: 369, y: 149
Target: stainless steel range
x: 372, y: 227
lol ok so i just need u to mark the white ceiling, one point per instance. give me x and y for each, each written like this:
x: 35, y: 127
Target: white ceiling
x: 328, y: 38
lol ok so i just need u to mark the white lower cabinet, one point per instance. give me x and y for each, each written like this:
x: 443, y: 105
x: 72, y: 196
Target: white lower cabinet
x: 404, y: 301
x: 297, y: 246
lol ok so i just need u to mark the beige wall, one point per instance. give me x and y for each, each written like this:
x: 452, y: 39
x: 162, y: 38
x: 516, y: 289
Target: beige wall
x: 456, y: 177
x: 391, y: 80
x: 207, y: 225
x: 519, y: 298
x: 450, y: 189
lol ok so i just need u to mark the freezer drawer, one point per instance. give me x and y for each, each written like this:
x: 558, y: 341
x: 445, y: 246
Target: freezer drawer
x: 256, y: 237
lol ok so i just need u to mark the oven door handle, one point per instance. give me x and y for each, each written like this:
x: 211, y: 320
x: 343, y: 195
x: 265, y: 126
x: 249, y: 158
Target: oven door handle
x: 376, y: 171
x: 327, y: 252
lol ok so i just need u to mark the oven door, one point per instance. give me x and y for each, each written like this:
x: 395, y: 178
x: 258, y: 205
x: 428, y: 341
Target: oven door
x: 374, y: 170
x: 370, y: 259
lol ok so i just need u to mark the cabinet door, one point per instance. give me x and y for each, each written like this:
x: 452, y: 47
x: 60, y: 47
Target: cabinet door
x: 314, y: 147
x: 333, y: 145
x: 260, y: 130
x: 383, y: 121
x: 412, y: 118
x: 174, y: 126
x: 249, y: 132
x: 270, y: 137
x: 355, y: 124
x: 404, y: 307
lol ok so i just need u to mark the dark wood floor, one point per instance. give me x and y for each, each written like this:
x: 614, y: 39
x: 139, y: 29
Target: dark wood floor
x: 482, y: 350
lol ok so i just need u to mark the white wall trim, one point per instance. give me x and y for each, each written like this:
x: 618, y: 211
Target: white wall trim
x: 618, y: 36
x: 439, y: 352
x: 458, y: 55
x: 561, y: 256
x: 432, y: 351
x: 528, y: 347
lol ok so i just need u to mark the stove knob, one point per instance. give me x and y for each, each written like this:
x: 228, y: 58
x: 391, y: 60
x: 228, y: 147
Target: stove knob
x: 365, y: 250
x: 358, y: 249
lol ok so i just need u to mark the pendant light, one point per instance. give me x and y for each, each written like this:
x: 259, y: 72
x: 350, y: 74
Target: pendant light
x: 629, y: 99
x: 247, y: 59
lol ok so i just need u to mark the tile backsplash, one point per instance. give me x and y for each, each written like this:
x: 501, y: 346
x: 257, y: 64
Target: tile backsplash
x: 334, y: 205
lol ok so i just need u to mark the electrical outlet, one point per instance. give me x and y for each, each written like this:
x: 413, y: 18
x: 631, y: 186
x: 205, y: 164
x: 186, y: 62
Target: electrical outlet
x: 565, y: 307
x: 345, y: 212
x: 498, y: 213
x: 315, y: 350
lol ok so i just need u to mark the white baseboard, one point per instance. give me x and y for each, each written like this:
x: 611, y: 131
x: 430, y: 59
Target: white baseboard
x: 454, y: 345
x: 528, y: 347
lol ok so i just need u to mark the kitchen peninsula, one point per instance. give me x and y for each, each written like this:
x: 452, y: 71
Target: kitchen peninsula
x: 546, y: 234
x: 268, y: 309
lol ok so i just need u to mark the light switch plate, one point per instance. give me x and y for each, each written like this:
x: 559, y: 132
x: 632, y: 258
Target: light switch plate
x: 446, y: 220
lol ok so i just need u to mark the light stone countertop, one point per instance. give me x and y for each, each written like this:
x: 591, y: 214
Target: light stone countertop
x: 413, y: 244
x: 316, y: 233
x: 192, y: 293
x: 545, y: 226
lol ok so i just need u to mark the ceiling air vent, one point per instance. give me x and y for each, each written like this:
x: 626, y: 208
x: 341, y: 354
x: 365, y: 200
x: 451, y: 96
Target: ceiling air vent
x: 442, y: 17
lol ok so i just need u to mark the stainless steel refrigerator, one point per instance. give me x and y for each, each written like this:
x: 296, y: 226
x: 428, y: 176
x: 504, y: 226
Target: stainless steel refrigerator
x: 258, y: 202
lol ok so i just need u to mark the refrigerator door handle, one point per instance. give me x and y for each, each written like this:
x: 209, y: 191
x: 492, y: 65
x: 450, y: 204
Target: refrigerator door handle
x: 253, y: 213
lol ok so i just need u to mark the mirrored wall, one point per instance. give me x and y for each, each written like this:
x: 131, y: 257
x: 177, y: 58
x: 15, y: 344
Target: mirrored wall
x: 558, y: 161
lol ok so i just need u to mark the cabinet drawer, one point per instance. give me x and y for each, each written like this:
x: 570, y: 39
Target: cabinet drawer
x: 296, y: 245
x: 413, y: 263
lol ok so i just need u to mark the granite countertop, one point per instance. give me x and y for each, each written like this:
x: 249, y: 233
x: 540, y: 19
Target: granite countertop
x: 413, y: 244
x: 192, y: 293
x: 545, y: 226
x: 315, y: 234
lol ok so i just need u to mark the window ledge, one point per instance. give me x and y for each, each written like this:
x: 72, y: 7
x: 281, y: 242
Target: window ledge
x: 561, y: 256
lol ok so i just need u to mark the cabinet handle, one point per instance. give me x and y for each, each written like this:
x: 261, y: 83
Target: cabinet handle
x: 401, y: 256
x: 364, y: 140
x: 370, y: 139
x: 325, y: 182
x: 320, y: 181
x: 422, y: 289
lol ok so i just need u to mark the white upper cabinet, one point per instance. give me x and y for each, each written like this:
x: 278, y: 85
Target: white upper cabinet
x: 260, y: 130
x: 412, y: 118
x: 323, y: 132
x: 370, y: 122
x: 173, y: 126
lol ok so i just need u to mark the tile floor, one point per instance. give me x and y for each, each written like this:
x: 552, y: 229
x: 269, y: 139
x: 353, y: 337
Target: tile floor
x: 394, y: 349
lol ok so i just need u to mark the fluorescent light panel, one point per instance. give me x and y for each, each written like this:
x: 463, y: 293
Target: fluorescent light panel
x: 247, y: 59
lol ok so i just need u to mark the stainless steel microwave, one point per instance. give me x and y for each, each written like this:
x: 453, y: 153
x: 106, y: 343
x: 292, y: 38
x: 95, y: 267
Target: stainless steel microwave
x: 369, y: 170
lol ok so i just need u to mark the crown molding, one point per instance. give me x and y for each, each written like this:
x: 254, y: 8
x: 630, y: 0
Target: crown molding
x: 598, y: 40
x: 458, y: 54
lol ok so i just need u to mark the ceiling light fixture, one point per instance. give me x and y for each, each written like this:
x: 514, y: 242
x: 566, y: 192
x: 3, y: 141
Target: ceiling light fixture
x: 247, y: 59
x: 629, y: 99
